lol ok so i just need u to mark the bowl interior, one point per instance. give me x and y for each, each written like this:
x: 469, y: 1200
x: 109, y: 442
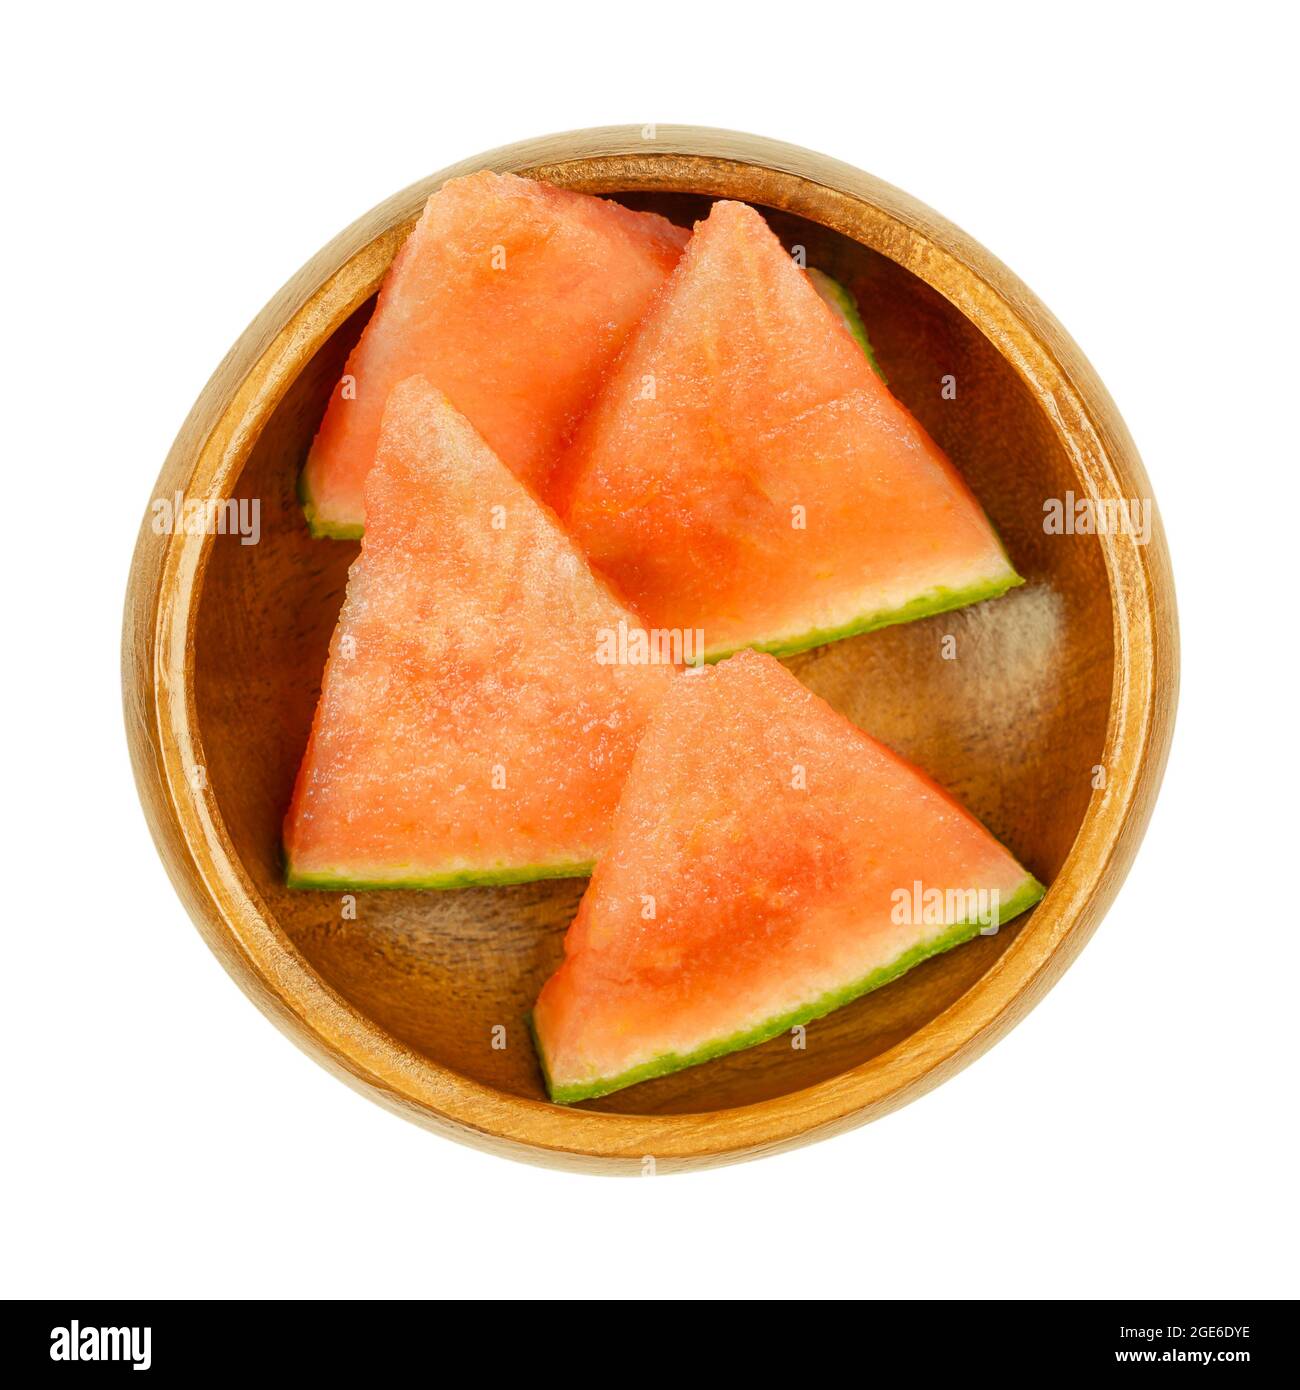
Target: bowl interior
x: 1010, y: 716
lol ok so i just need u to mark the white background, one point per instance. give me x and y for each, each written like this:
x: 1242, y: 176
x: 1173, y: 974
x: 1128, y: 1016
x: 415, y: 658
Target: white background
x: 166, y: 171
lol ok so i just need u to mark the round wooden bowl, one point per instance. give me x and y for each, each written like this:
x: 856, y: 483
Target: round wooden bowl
x: 1050, y: 718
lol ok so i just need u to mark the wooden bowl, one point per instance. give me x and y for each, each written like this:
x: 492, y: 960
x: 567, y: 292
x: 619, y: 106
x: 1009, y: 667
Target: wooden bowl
x: 1052, y: 723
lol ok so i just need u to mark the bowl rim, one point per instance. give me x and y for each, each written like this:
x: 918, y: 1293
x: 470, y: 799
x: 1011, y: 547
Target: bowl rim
x: 207, y: 458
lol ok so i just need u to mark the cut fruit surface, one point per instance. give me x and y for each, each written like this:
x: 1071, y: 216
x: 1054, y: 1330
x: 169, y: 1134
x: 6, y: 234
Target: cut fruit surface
x: 745, y: 471
x: 469, y: 729
x: 768, y: 863
x: 510, y: 296
x: 845, y: 308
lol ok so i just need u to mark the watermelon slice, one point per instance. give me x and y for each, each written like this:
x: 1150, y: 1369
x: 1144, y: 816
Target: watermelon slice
x: 845, y: 308
x: 513, y: 298
x: 745, y: 471
x: 468, y: 730
x: 768, y: 863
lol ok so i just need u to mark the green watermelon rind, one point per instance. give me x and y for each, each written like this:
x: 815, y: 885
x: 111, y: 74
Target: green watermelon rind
x: 497, y: 877
x: 1029, y: 892
x: 324, y: 530
x: 846, y: 308
x: 926, y: 605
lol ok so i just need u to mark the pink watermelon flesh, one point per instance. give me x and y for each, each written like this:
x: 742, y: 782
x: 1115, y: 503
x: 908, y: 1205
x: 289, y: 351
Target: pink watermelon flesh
x: 467, y: 731
x: 745, y: 471
x: 768, y: 863
x: 510, y: 296
x: 845, y: 308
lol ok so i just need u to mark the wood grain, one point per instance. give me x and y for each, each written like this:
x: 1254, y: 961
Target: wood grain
x: 223, y: 647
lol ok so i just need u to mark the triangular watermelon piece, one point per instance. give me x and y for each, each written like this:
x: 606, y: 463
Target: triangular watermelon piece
x: 745, y: 471
x: 768, y: 863
x: 512, y: 297
x: 469, y: 729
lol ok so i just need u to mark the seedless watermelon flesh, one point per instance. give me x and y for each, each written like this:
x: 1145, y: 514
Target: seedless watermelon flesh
x: 769, y: 862
x: 510, y: 296
x: 745, y: 471
x: 845, y: 308
x: 467, y: 730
